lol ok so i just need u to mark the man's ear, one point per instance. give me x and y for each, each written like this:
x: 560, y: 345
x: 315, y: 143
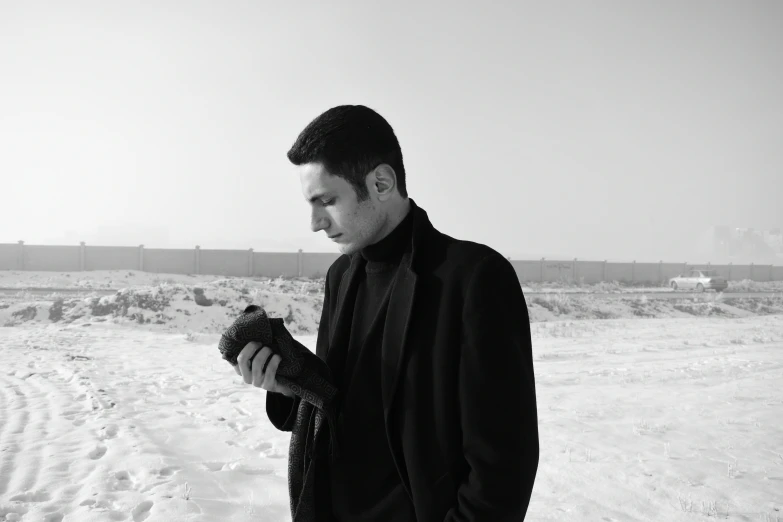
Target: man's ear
x: 384, y: 181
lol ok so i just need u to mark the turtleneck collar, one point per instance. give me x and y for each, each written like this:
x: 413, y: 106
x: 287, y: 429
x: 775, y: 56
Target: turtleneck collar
x: 391, y: 248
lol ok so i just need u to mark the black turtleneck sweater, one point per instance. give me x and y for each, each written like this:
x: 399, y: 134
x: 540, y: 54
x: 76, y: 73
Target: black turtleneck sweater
x: 364, y: 482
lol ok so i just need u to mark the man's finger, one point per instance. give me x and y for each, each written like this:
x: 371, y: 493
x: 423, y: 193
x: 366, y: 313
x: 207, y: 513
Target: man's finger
x: 258, y: 366
x: 243, y: 358
x: 271, y: 371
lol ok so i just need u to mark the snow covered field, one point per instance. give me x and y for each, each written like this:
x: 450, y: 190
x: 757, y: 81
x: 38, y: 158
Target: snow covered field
x: 120, y: 408
x: 116, y: 279
x: 206, y: 304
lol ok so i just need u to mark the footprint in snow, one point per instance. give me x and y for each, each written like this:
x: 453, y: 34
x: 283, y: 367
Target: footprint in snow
x: 108, y: 432
x: 98, y: 452
x: 122, y: 481
x: 168, y: 471
x: 142, y: 511
x: 262, y: 446
x: 31, y: 496
x: 236, y: 466
x: 238, y: 426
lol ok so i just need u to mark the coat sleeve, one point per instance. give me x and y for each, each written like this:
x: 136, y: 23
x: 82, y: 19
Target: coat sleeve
x: 280, y: 409
x: 497, y: 397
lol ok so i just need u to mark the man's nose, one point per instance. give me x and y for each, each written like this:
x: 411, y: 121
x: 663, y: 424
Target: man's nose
x: 317, y: 221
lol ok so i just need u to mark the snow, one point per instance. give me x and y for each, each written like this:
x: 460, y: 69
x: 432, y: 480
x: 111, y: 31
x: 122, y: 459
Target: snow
x: 109, y: 422
x: 118, y: 279
x: 661, y: 418
x: 204, y: 304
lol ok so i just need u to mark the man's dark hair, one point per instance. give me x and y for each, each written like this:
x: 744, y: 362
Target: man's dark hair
x: 350, y: 141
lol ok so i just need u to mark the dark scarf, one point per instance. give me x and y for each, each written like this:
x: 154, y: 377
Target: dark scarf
x: 305, y: 374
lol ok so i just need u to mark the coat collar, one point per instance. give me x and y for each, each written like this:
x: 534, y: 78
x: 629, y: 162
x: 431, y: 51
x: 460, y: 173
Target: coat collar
x: 422, y: 229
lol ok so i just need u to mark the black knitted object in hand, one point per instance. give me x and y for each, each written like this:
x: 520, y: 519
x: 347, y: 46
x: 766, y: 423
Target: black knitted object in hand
x: 309, y: 378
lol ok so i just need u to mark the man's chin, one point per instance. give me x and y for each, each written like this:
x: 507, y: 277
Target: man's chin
x: 346, y: 248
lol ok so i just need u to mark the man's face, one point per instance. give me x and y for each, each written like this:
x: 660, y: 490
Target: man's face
x: 335, y: 209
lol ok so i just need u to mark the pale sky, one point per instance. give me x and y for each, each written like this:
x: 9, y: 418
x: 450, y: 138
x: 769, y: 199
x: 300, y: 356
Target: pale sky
x: 598, y: 130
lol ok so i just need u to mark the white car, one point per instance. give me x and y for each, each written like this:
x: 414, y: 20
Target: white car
x: 699, y: 280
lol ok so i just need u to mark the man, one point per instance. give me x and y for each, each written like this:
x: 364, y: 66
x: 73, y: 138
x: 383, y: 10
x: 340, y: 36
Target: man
x: 427, y: 338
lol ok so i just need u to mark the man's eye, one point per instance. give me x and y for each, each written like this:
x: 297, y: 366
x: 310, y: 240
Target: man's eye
x: 328, y: 202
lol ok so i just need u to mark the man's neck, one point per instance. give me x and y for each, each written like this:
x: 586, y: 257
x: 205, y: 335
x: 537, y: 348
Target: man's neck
x: 395, y: 218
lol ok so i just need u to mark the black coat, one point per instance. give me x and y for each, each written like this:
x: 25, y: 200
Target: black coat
x: 457, y: 377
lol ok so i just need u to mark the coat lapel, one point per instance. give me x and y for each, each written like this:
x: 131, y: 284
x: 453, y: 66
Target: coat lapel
x: 394, y: 345
x: 398, y: 315
x: 340, y: 330
x: 395, y: 331
x: 393, y: 349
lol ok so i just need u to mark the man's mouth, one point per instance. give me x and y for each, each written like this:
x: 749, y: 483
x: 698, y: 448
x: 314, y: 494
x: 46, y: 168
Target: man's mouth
x: 334, y: 236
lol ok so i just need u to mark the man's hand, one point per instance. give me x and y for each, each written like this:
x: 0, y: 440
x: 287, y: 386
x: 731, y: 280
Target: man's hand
x: 252, y: 372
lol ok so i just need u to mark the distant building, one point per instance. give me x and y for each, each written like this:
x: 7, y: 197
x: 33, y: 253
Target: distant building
x: 774, y: 239
x: 738, y: 244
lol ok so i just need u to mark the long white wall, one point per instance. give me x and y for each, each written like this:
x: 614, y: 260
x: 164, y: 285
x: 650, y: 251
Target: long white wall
x: 247, y: 263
